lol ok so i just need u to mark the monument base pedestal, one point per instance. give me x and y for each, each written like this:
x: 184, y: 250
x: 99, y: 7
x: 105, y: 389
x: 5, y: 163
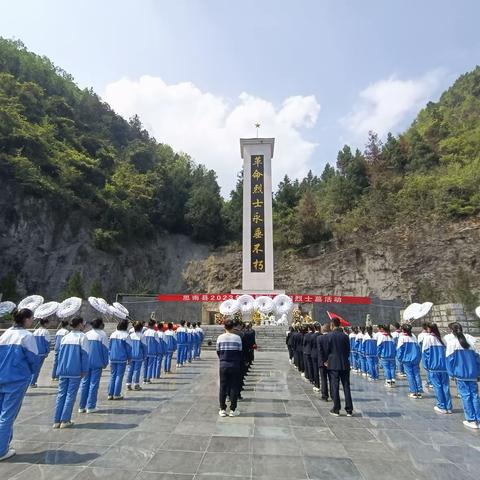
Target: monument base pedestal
x: 258, y: 292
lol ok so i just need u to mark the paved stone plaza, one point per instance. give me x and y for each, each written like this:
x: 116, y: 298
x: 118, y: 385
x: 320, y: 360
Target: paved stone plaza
x: 172, y: 431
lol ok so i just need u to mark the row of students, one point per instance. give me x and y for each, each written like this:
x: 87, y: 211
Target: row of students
x: 453, y: 357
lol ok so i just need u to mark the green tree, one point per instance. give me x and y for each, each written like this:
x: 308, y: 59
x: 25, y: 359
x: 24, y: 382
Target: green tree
x: 8, y: 287
x: 74, y: 286
x: 96, y: 289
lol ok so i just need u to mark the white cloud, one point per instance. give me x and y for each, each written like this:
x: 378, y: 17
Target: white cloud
x: 208, y: 127
x: 387, y: 104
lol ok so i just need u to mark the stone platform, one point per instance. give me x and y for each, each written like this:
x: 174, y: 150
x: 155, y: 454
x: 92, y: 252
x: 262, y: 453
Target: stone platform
x: 171, y: 431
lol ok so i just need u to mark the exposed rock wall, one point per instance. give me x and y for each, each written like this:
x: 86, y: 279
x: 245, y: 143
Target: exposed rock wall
x: 45, y: 249
x: 388, y: 265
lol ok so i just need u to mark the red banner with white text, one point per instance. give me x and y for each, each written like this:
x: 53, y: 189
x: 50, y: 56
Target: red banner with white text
x: 221, y: 297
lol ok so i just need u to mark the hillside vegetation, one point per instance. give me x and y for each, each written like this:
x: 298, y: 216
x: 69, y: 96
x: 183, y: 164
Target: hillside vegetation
x: 65, y: 145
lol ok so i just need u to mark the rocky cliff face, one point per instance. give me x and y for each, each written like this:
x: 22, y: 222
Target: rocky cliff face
x: 44, y: 250
x: 389, y: 265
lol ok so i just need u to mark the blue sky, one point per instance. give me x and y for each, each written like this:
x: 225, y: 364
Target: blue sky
x: 316, y: 74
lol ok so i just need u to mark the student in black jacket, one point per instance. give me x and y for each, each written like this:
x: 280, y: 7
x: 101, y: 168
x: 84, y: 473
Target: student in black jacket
x: 298, y: 346
x: 338, y: 364
x: 322, y: 348
x: 288, y: 342
x: 307, y: 352
x: 315, y: 365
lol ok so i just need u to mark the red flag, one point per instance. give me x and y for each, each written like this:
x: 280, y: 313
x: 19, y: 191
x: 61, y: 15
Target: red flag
x: 343, y: 322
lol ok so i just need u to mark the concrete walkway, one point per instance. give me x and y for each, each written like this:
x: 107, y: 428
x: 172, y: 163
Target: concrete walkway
x: 171, y: 431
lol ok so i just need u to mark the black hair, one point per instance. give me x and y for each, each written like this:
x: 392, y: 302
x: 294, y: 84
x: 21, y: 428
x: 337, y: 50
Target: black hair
x: 151, y: 323
x: 336, y: 322
x: 44, y: 321
x: 122, y: 325
x: 189, y: 324
x: 370, y: 330
x: 311, y: 327
x: 20, y: 316
x: 98, y: 324
x: 63, y: 324
x: 137, y: 326
x: 407, y: 328
x: 182, y: 323
x: 355, y: 329
x: 194, y: 325
x: 380, y: 326
x: 76, y: 321
x: 228, y: 324
x: 425, y: 325
x: 457, y: 330
x: 199, y: 324
x: 435, y: 331
x: 396, y: 325
x: 362, y: 329
x: 170, y: 325
x: 386, y: 329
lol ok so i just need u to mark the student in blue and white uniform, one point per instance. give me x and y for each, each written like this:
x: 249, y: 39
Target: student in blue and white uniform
x: 151, y: 342
x: 61, y: 332
x: 358, y: 348
x: 139, y: 354
x: 351, y: 338
x: 435, y: 364
x: 386, y: 352
x: 463, y: 364
x: 120, y: 351
x: 395, y: 335
x: 18, y: 361
x: 181, y: 344
x: 170, y: 347
x: 408, y: 352
x: 188, y: 357
x: 42, y: 337
x: 361, y: 349
x: 420, y: 338
x: 97, y: 361
x: 200, y: 337
x: 371, y: 354
x: 160, y: 352
x: 72, y: 366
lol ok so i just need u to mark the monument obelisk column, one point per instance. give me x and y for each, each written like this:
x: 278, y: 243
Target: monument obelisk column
x: 258, y: 269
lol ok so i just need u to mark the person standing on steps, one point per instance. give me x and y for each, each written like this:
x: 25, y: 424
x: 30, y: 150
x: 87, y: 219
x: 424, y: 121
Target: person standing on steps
x: 338, y: 364
x: 322, y: 349
x: 229, y: 351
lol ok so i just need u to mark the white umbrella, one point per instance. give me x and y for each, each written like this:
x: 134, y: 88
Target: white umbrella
x: 69, y: 307
x: 264, y: 304
x: 46, y: 309
x: 31, y: 302
x: 283, y: 304
x: 115, y: 312
x: 247, y: 304
x: 98, y: 305
x: 6, y: 308
x: 229, y: 307
x: 120, y: 307
x: 410, y: 312
x: 423, y: 310
x: 477, y: 311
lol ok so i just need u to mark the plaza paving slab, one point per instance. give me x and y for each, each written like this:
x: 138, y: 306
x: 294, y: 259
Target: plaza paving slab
x: 171, y: 431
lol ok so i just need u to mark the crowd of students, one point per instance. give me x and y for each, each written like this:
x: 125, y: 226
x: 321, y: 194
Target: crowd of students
x: 399, y: 354
x: 82, y: 351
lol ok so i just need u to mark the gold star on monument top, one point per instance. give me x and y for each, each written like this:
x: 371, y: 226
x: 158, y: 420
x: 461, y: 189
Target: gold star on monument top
x: 257, y: 126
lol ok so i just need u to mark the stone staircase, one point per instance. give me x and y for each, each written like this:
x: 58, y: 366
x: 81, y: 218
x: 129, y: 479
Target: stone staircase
x: 269, y: 339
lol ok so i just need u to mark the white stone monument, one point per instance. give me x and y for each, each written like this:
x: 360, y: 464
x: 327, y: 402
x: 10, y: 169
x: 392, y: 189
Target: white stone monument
x: 258, y: 268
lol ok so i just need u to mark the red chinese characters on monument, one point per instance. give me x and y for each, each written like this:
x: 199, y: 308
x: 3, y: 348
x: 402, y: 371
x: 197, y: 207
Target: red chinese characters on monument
x: 221, y: 297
